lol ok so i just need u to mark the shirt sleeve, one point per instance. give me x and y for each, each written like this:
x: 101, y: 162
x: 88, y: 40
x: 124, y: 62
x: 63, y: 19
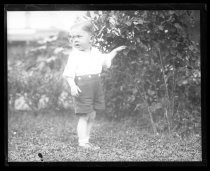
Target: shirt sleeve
x: 70, y: 68
x: 106, y: 60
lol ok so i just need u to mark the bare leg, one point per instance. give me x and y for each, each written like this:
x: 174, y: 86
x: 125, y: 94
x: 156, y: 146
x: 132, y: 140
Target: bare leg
x: 82, y: 128
x: 90, y: 122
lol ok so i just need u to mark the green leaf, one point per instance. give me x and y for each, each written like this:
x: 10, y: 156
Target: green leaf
x: 191, y: 47
x: 131, y: 98
x: 171, y: 12
x: 140, y: 21
x: 160, y: 27
x: 150, y: 92
x: 135, y: 90
x: 128, y: 23
x: 125, y: 52
x: 138, y: 40
x: 178, y: 26
x: 139, y: 105
x: 133, y: 62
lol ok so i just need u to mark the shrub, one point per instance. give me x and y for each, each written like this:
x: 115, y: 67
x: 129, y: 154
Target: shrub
x: 160, y: 68
x: 39, y: 73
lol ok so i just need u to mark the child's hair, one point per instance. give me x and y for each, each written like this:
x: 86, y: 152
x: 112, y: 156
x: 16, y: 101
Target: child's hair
x: 85, y: 25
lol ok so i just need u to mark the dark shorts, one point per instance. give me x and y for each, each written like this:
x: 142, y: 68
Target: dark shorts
x: 92, y: 96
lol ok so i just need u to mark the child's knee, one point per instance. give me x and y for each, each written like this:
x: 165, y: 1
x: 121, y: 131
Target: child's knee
x: 92, y: 116
x: 84, y: 117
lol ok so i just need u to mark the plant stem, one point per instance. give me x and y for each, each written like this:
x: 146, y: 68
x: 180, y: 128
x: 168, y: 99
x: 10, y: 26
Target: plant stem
x: 173, y: 89
x: 150, y: 114
x: 167, y: 94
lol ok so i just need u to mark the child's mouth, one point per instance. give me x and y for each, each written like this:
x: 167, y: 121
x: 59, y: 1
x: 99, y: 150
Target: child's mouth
x: 77, y: 45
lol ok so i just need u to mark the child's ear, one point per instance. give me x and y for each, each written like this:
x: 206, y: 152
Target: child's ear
x: 91, y: 39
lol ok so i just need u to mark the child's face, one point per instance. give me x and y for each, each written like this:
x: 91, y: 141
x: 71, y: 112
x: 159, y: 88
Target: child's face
x: 81, y: 39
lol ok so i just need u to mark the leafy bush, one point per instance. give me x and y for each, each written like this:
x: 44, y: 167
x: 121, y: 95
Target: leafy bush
x: 38, y: 73
x: 160, y: 70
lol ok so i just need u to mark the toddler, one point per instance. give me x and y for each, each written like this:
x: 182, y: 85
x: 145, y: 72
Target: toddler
x: 82, y: 72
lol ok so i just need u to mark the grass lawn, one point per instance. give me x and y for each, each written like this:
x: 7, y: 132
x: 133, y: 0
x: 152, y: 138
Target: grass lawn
x: 54, y: 136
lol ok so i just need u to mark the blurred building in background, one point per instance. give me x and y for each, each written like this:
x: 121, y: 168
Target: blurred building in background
x: 34, y: 25
x: 24, y: 27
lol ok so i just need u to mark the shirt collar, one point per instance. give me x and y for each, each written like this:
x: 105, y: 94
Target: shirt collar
x: 93, y: 50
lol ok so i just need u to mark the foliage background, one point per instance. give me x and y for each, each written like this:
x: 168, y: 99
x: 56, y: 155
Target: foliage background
x: 157, y: 76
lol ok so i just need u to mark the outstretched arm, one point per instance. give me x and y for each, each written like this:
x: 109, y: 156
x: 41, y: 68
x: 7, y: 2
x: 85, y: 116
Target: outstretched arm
x: 112, y: 54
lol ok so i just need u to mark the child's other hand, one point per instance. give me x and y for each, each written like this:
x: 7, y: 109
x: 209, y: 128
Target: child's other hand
x: 75, y: 90
x: 119, y: 48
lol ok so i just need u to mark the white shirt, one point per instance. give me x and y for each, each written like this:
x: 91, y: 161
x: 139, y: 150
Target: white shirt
x: 83, y: 63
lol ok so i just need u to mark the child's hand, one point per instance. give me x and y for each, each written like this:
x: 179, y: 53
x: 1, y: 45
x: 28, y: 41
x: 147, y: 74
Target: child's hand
x: 75, y: 90
x: 119, y: 48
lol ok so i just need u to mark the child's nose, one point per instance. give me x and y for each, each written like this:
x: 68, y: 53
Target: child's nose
x: 76, y: 40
